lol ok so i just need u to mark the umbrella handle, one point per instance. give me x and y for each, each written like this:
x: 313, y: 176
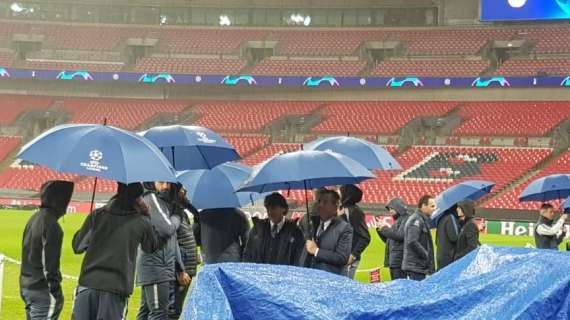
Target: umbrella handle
x: 94, y: 189
x: 309, y: 220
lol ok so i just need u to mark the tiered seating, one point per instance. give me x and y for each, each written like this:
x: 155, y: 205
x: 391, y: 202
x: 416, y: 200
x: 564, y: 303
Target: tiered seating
x: 192, y: 66
x: 510, y: 200
x: 269, y: 151
x: 11, y: 106
x: 511, y: 118
x: 321, y: 43
x: 529, y: 67
x: 433, y: 169
x: 373, y: 117
x: 7, y: 145
x: 552, y: 40
x: 124, y: 113
x: 63, y: 65
x: 103, y: 185
x: 6, y: 59
x: 30, y: 177
x: 215, y: 41
x: 430, y: 68
x: 309, y: 67
x: 245, y: 145
x: 81, y: 37
x: 249, y: 116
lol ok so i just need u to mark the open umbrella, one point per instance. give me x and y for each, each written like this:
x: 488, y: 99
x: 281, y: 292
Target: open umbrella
x: 370, y: 155
x: 471, y: 189
x: 191, y: 147
x: 556, y: 186
x: 215, y: 188
x: 97, y: 150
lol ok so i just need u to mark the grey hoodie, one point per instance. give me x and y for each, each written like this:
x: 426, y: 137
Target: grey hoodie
x: 394, y: 235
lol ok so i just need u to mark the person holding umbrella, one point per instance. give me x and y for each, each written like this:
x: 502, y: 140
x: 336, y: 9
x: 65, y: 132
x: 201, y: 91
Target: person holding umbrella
x: 333, y: 237
x: 350, y: 195
x: 446, y: 237
x: 40, y: 277
x: 547, y: 234
x: 110, y: 237
x: 274, y: 240
x: 156, y: 270
x: 468, y: 239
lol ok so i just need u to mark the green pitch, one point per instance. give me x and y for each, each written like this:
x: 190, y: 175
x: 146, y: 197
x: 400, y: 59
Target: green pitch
x: 12, y: 224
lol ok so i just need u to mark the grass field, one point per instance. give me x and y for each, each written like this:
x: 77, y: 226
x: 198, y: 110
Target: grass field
x: 12, y: 224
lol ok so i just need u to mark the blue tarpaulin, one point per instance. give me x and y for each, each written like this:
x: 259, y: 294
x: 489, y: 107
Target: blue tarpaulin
x: 489, y: 283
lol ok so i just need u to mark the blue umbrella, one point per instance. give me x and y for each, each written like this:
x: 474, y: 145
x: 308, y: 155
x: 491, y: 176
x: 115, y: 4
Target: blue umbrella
x: 305, y: 170
x: 98, y: 151
x: 548, y: 188
x: 191, y: 147
x: 215, y: 188
x: 471, y: 189
x: 370, y: 155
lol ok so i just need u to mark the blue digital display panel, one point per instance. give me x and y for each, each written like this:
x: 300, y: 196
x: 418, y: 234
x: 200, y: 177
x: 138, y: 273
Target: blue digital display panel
x: 314, y: 82
x: 505, y: 10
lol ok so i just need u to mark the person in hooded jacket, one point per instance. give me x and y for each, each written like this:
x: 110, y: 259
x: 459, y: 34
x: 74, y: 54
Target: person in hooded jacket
x: 188, y: 251
x: 469, y: 236
x: 446, y: 238
x: 274, y: 240
x: 394, y: 237
x: 110, y: 237
x: 350, y: 195
x: 40, y: 276
x: 157, y: 270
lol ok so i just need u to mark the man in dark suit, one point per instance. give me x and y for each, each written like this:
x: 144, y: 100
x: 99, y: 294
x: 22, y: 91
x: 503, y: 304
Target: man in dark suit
x: 332, y: 242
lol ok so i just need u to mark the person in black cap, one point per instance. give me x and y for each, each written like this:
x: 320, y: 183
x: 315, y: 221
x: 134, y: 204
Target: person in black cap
x: 110, y: 237
x: 40, y: 277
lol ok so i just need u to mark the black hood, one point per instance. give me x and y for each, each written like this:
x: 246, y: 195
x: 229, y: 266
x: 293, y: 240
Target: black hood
x: 126, y: 198
x: 55, y: 196
x: 398, y: 205
x: 468, y: 207
x: 350, y: 195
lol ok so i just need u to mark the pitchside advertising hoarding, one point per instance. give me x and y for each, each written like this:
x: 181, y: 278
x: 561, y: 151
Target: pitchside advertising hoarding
x: 309, y: 82
x: 509, y: 10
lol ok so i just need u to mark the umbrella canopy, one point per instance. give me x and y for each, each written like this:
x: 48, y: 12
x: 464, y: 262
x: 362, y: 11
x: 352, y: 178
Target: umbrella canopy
x: 370, y: 155
x: 547, y: 188
x: 191, y: 147
x: 305, y: 170
x: 99, y: 151
x: 215, y: 188
x: 471, y: 189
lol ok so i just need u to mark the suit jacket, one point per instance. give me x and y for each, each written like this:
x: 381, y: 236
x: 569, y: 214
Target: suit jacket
x: 334, y: 247
x: 360, y: 236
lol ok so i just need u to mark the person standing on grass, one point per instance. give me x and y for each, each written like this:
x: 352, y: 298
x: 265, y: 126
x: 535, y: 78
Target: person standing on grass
x: 40, y: 275
x: 418, y: 244
x: 110, y: 237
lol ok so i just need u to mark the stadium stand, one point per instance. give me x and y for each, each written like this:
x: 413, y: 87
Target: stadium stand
x: 309, y: 67
x: 124, y: 113
x: 7, y: 145
x: 509, y: 199
x: 373, y: 117
x: 529, y: 67
x: 248, y: 116
x: 269, y: 151
x: 204, y: 41
x: 63, y: 65
x: 429, y: 68
x: 14, y: 105
x: 191, y: 65
x: 246, y: 144
x: 28, y: 177
x: 511, y: 118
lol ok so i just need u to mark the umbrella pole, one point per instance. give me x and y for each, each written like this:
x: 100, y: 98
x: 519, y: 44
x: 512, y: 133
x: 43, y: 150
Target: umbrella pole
x: 93, y: 195
x: 309, y: 220
x: 173, y: 161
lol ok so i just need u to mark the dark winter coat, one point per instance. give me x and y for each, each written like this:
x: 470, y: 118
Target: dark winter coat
x: 418, y: 245
x: 284, y: 249
x: 351, y: 195
x: 469, y: 236
x: 446, y: 238
x: 43, y: 237
x: 110, y: 237
x: 394, y: 236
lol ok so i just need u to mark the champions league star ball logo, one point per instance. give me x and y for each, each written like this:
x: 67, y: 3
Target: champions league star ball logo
x: 202, y: 137
x: 94, y: 164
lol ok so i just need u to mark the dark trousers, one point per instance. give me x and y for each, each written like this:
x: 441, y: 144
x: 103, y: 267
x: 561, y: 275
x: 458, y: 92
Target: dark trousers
x: 41, y: 304
x: 397, y: 273
x: 416, y: 276
x: 177, y: 297
x: 155, y: 301
x: 93, y: 304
